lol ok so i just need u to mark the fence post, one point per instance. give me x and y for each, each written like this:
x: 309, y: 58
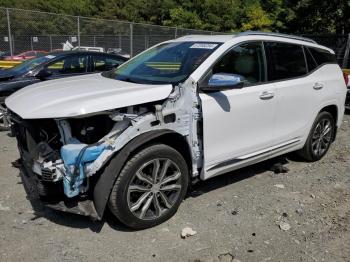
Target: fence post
x: 50, y: 43
x: 347, y: 51
x: 131, y: 39
x: 175, y: 32
x: 31, y: 43
x: 78, y: 24
x: 9, y: 30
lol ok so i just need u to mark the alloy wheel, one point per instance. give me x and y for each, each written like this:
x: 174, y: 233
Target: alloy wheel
x: 322, y: 137
x: 154, y: 189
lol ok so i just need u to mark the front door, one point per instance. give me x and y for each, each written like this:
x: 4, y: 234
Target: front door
x: 238, y: 124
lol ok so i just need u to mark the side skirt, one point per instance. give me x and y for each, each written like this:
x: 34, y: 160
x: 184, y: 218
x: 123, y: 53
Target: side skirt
x: 253, y: 158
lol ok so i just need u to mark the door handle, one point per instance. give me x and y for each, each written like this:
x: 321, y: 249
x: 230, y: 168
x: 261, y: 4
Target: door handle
x: 318, y: 86
x: 266, y: 95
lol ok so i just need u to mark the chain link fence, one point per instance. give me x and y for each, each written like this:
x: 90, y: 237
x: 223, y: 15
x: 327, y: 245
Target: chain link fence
x: 24, y: 30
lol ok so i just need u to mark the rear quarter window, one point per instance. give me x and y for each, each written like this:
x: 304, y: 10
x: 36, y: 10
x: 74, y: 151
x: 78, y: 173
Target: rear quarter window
x: 322, y: 56
x: 285, y: 61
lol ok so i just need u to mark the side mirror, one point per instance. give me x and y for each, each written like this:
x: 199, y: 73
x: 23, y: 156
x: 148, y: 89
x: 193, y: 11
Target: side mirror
x: 43, y: 73
x: 223, y: 81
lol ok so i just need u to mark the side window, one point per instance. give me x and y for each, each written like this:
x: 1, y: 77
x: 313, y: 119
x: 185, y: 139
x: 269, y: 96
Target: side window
x: 103, y: 63
x: 246, y: 60
x: 285, y: 61
x: 322, y: 56
x: 30, y: 53
x: 311, y: 62
x: 69, y: 65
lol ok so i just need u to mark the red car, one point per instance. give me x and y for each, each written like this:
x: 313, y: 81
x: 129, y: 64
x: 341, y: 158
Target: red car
x: 25, y: 55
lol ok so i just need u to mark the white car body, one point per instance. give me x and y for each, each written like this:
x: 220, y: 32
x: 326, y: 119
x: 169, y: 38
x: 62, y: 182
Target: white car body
x: 239, y: 127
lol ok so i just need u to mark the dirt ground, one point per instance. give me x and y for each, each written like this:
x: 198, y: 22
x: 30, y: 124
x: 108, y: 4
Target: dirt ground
x: 248, y: 215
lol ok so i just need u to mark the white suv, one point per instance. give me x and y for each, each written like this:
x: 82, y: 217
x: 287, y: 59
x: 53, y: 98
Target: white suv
x: 192, y: 108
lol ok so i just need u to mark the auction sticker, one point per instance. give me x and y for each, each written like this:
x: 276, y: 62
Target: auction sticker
x: 204, y: 46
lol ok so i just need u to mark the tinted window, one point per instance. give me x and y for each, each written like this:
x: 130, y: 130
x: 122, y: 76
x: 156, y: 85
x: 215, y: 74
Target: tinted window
x: 311, y: 62
x: 285, y: 61
x: 30, y: 53
x: 322, y: 56
x: 103, y: 63
x: 69, y: 65
x: 245, y: 60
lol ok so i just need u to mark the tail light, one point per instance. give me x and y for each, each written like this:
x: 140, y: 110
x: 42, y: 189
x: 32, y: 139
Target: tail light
x: 346, y: 79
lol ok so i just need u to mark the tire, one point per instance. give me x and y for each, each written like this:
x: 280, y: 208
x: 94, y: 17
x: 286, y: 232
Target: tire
x: 313, y: 150
x: 137, y: 200
x: 5, y: 122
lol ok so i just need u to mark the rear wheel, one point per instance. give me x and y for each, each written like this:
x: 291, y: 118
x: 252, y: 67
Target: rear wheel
x: 150, y: 188
x: 320, y: 138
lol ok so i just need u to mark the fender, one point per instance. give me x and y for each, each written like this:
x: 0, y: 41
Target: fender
x: 104, y: 185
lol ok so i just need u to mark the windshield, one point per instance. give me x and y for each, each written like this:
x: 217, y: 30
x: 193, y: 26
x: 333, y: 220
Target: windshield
x: 30, y: 64
x: 167, y: 63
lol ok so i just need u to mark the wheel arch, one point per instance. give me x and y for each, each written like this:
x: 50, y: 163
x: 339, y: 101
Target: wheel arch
x: 116, y: 162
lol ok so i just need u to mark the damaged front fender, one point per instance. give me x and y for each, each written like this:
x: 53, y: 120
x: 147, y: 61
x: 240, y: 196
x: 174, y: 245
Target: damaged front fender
x: 115, y: 164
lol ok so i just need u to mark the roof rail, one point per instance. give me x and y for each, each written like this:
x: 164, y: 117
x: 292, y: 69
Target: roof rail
x: 278, y: 35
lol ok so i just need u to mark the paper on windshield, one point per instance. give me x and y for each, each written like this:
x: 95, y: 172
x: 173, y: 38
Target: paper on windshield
x: 204, y: 46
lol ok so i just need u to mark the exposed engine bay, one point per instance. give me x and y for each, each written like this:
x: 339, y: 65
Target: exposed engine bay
x: 66, y: 154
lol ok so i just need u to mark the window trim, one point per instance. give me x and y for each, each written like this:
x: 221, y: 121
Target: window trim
x: 205, y: 74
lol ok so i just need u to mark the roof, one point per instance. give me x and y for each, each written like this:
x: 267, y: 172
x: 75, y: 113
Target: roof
x: 62, y: 53
x: 258, y: 35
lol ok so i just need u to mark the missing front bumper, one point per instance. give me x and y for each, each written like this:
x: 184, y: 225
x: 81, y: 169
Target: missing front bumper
x: 34, y: 189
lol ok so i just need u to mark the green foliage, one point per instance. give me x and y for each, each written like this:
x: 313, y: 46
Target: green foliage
x: 291, y: 16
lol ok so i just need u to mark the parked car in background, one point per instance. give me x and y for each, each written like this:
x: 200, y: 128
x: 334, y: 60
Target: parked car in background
x: 89, y: 48
x: 3, y: 54
x: 25, y: 55
x: 133, y: 139
x: 52, y: 66
x: 118, y: 51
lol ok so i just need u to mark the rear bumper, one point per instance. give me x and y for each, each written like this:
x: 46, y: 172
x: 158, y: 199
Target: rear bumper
x: 50, y: 195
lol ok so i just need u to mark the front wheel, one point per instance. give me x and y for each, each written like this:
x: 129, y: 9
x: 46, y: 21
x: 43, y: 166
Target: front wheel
x: 5, y: 122
x: 150, y: 187
x: 320, y: 138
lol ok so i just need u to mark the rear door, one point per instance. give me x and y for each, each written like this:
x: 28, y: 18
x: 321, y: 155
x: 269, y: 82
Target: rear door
x: 297, y: 92
x: 238, y: 124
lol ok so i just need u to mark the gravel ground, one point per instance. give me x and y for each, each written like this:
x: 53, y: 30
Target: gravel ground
x: 248, y: 215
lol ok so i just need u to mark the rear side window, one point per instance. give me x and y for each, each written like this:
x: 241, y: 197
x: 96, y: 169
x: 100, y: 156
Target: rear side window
x: 285, y: 61
x: 104, y: 63
x: 322, y: 56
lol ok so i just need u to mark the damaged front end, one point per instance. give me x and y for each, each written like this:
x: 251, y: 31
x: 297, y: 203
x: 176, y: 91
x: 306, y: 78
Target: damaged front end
x: 64, y: 159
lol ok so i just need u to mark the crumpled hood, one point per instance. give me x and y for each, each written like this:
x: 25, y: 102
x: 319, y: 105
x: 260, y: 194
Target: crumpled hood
x: 75, y: 96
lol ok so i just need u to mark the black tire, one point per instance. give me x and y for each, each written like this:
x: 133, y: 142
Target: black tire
x: 119, y: 200
x: 4, y: 122
x: 307, y: 152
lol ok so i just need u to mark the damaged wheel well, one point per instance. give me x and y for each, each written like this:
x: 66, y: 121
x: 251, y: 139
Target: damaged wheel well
x: 113, y: 167
x: 179, y: 143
